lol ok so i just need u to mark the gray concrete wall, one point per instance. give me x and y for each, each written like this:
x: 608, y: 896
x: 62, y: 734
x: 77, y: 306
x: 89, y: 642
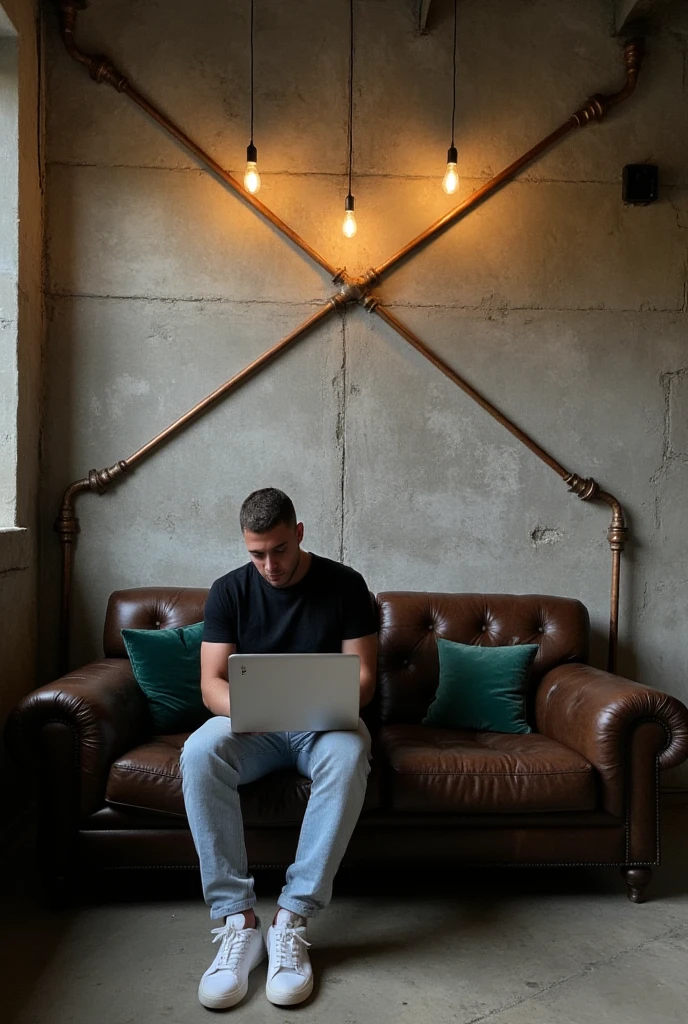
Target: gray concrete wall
x: 21, y: 347
x: 566, y: 308
x: 9, y: 269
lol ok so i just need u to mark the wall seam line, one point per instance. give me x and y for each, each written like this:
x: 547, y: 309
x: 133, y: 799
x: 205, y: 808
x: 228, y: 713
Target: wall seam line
x: 342, y: 427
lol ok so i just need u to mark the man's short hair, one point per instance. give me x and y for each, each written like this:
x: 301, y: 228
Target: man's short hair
x: 265, y: 509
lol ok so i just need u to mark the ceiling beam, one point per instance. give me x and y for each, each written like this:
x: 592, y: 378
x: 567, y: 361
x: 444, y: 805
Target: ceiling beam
x: 628, y: 11
x: 6, y: 26
x: 423, y: 14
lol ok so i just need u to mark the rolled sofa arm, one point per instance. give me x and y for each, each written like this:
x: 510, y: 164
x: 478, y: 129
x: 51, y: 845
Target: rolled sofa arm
x: 78, y: 725
x: 599, y: 715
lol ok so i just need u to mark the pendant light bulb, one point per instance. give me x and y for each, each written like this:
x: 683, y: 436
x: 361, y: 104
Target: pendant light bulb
x: 450, y: 182
x: 349, y: 225
x: 251, y: 177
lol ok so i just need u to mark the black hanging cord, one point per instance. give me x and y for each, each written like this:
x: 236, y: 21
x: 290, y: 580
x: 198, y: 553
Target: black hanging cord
x: 251, y: 72
x: 351, y: 87
x: 454, y: 79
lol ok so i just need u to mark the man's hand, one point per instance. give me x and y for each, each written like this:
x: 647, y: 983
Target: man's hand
x: 214, y: 684
x: 366, y: 648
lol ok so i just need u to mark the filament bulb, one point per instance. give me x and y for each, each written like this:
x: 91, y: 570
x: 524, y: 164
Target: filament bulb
x: 251, y: 177
x: 450, y: 182
x: 349, y: 225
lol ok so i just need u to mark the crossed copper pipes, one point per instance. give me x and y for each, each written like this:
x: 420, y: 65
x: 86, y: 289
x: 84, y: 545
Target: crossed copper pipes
x: 350, y: 290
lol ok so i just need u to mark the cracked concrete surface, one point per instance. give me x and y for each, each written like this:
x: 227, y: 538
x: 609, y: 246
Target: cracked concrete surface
x: 677, y: 415
x: 424, y: 947
x: 545, y: 535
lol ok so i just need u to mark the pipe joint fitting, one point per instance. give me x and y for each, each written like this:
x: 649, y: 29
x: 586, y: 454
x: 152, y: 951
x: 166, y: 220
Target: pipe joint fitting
x: 103, y: 70
x: 585, y: 487
x: 593, y: 109
x: 100, y: 479
x: 352, y: 289
x: 617, y: 535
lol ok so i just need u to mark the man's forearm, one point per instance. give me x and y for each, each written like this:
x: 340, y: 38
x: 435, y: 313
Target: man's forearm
x: 215, y: 693
x: 367, y: 690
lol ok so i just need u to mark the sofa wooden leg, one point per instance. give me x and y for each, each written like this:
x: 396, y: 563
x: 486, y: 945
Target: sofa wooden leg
x: 637, y: 880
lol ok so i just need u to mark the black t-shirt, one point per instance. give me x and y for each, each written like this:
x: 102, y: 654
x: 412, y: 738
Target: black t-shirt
x: 330, y: 604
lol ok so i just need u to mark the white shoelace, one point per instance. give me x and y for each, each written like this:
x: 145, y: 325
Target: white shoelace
x: 233, y: 948
x: 289, y: 946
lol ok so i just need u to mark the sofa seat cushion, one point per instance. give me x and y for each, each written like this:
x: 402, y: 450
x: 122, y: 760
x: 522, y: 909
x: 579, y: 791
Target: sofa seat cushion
x: 461, y: 771
x: 149, y: 778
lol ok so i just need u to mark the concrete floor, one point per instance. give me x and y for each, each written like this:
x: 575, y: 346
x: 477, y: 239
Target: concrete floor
x: 508, y: 947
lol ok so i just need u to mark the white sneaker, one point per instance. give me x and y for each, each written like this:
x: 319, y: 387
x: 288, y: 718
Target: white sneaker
x: 225, y: 983
x: 290, y: 975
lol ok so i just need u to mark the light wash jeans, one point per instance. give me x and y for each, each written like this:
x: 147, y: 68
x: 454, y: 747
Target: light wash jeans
x: 215, y: 761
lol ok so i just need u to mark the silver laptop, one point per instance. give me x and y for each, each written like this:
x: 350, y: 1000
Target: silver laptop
x: 294, y: 692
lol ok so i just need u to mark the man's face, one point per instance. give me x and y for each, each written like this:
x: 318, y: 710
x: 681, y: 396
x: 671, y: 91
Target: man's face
x: 275, y: 554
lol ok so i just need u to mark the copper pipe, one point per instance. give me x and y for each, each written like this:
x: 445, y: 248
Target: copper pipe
x: 97, y: 481
x: 594, y: 110
x: 633, y: 57
x: 584, y: 487
x: 421, y: 347
x: 103, y: 70
x: 67, y: 526
x: 617, y: 536
x: 588, y: 490
x: 613, y: 647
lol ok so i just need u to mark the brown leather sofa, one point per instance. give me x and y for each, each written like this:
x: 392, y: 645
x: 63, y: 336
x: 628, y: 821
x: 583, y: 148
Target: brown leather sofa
x: 580, y: 790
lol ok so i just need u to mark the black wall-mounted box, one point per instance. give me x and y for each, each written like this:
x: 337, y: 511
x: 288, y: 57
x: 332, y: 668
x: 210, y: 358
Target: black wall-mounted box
x: 640, y: 184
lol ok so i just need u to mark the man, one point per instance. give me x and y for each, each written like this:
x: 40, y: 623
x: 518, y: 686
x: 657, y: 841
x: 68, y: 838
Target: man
x: 285, y: 600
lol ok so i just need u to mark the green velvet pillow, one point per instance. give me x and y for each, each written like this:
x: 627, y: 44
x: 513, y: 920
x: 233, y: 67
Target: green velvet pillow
x: 481, y: 687
x: 167, y: 667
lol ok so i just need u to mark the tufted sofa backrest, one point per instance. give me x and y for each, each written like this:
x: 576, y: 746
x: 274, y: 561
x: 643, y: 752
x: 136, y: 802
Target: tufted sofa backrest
x: 410, y: 624
x: 149, y: 608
